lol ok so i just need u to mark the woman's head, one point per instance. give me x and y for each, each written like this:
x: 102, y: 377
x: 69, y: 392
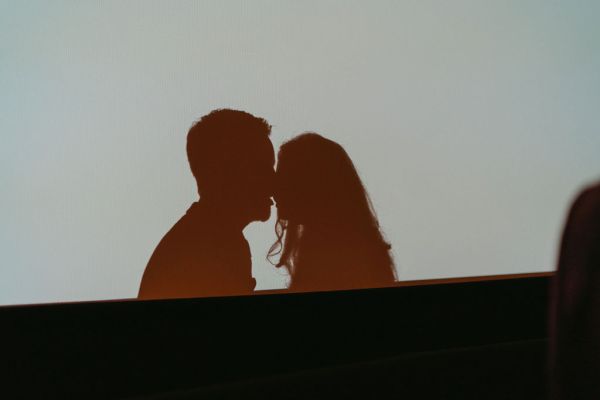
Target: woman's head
x: 323, y: 209
x: 317, y: 184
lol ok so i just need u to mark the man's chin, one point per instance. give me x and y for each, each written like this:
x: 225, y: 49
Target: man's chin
x: 262, y: 214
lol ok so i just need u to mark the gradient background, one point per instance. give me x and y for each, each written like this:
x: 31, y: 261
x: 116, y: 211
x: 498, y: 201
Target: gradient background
x: 472, y: 123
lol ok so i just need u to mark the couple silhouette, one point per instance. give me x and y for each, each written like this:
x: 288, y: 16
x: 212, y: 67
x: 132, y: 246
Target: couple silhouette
x: 327, y: 234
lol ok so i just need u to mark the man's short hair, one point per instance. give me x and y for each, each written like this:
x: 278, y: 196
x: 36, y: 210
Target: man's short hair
x: 219, y: 143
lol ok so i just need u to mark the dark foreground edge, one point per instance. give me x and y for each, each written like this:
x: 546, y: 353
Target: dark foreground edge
x: 114, y: 350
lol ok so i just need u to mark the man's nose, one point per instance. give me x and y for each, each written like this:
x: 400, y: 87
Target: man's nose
x: 271, y: 184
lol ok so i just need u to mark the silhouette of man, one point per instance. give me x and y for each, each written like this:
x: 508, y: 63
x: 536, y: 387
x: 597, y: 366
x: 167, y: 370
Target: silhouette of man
x: 205, y: 252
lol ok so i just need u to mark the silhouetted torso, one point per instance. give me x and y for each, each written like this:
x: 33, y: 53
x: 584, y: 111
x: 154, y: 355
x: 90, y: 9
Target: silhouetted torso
x: 334, y: 264
x: 200, y: 256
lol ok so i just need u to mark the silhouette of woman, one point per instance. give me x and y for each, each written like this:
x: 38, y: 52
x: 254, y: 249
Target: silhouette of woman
x: 328, y: 236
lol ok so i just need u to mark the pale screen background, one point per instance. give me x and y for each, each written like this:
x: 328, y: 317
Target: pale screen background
x: 472, y: 124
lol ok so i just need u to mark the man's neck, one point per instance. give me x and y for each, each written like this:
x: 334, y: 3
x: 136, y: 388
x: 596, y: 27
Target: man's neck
x: 228, y: 216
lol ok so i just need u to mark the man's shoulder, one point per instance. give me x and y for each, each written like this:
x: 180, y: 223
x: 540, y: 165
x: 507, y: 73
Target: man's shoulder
x: 200, y: 239
x: 183, y: 252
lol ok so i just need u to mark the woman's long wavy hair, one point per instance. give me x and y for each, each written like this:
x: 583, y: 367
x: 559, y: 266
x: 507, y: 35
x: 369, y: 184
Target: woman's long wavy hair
x: 325, y: 219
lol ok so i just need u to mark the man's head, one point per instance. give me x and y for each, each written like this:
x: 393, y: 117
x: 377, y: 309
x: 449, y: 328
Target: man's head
x: 232, y: 159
